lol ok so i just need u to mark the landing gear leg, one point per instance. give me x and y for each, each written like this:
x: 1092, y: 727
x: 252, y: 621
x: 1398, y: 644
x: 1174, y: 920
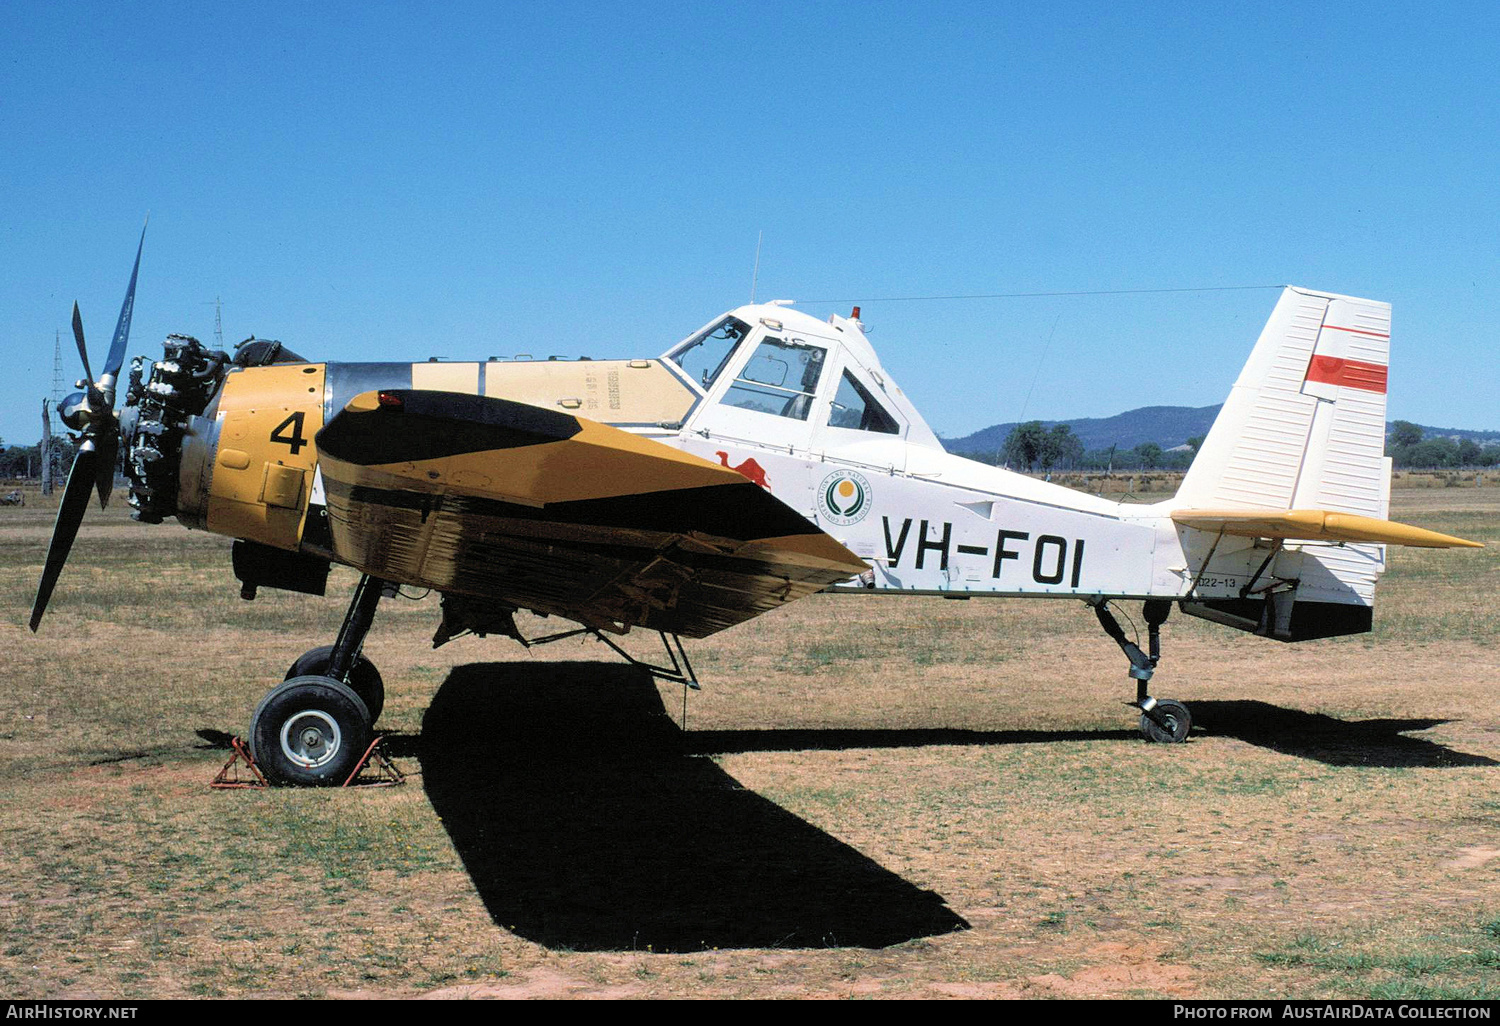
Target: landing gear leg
x: 356, y: 625
x: 344, y: 660
x: 313, y: 727
x: 1164, y: 719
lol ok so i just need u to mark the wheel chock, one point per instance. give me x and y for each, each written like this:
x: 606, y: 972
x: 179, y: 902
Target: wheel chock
x: 377, y: 766
x: 229, y: 775
x: 384, y: 771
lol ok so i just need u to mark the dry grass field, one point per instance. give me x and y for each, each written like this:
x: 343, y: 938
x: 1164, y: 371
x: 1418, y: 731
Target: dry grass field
x: 875, y: 797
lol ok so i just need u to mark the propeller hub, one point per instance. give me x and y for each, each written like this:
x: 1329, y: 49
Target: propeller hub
x: 75, y: 411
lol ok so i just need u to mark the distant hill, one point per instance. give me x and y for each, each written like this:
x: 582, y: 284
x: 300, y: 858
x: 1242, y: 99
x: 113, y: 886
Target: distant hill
x: 1167, y: 426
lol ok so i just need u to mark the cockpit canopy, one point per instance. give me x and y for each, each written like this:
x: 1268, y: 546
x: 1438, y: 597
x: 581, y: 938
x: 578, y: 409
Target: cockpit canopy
x: 790, y: 366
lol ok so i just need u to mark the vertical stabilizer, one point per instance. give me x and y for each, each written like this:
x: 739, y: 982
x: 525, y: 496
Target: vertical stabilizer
x: 1304, y: 429
x: 1304, y: 426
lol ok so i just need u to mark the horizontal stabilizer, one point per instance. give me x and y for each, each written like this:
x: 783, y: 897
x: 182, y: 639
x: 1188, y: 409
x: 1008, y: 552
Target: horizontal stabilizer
x: 1316, y: 525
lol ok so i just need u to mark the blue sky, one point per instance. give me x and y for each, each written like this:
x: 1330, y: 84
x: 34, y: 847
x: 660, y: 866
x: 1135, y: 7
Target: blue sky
x: 396, y: 181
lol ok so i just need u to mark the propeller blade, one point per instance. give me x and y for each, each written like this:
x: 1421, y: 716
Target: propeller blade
x: 83, y: 350
x: 104, y: 471
x: 69, y: 515
x: 122, y: 326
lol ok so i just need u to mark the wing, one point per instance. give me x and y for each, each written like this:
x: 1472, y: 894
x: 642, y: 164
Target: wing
x: 1315, y: 525
x: 562, y: 515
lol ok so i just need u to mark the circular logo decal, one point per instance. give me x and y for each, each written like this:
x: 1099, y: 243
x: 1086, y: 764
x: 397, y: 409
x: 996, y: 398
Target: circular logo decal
x: 844, y: 497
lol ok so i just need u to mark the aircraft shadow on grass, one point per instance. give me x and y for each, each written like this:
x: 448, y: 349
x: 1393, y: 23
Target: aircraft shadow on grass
x: 1307, y: 735
x: 586, y: 823
x: 589, y: 821
x: 1326, y: 739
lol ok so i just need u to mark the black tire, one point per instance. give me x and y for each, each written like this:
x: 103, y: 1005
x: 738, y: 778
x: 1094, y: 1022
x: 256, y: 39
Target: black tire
x: 309, y: 732
x: 1171, y: 725
x: 364, y: 679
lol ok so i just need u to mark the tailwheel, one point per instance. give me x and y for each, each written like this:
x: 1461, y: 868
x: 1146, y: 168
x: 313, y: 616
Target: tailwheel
x: 1163, y: 720
x: 1166, y: 722
x: 309, y: 731
x: 364, y: 680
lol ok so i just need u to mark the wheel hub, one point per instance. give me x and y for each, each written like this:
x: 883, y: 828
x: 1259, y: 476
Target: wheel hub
x: 311, y: 738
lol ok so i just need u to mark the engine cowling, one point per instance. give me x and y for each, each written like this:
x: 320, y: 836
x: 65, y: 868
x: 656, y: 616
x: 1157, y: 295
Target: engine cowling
x: 225, y: 448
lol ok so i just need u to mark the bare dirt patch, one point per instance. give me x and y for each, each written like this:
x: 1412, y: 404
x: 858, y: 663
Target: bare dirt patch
x: 1121, y: 970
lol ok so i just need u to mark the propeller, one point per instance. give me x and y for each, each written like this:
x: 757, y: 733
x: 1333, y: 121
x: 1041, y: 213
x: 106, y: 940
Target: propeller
x: 91, y: 413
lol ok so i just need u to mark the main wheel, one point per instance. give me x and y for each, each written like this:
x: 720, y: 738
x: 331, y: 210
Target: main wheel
x: 309, y: 731
x: 1175, y: 722
x: 364, y: 678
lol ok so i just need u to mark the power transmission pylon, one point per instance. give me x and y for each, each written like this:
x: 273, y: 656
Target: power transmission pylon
x: 50, y: 458
x: 218, y: 305
x: 57, y: 377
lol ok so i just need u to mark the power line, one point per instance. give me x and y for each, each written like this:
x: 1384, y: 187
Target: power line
x: 1038, y: 295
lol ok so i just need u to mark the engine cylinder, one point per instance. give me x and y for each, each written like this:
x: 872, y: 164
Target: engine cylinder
x: 177, y: 391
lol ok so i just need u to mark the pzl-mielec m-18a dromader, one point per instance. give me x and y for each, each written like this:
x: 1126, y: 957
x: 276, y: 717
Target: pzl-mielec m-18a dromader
x: 767, y: 456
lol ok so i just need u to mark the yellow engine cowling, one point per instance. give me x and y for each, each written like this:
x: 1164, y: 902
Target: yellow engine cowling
x: 248, y: 461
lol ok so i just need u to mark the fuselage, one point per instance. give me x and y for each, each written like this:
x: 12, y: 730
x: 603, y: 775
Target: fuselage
x: 801, y: 407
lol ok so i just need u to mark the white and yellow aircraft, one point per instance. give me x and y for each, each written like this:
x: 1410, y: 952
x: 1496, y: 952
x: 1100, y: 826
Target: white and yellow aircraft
x: 767, y: 456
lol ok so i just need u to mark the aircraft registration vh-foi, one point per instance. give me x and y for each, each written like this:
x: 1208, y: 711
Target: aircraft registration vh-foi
x: 767, y: 456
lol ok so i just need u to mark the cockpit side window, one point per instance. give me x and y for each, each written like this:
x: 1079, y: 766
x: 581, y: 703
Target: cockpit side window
x: 704, y: 357
x: 856, y: 409
x: 781, y: 377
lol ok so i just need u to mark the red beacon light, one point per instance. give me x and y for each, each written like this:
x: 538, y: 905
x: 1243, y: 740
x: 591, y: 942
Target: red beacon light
x: 390, y: 400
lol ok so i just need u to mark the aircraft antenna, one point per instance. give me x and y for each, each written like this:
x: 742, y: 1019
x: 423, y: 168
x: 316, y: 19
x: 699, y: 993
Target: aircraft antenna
x: 755, y: 274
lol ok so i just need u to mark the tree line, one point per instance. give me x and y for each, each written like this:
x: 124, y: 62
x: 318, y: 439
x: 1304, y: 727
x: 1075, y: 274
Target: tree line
x: 20, y: 462
x: 1409, y: 449
x: 1033, y: 447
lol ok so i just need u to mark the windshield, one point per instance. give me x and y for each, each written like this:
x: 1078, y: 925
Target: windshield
x: 704, y: 356
x: 781, y: 378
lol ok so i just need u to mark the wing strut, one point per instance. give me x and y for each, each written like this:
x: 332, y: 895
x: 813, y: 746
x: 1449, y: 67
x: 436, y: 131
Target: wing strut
x: 680, y: 672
